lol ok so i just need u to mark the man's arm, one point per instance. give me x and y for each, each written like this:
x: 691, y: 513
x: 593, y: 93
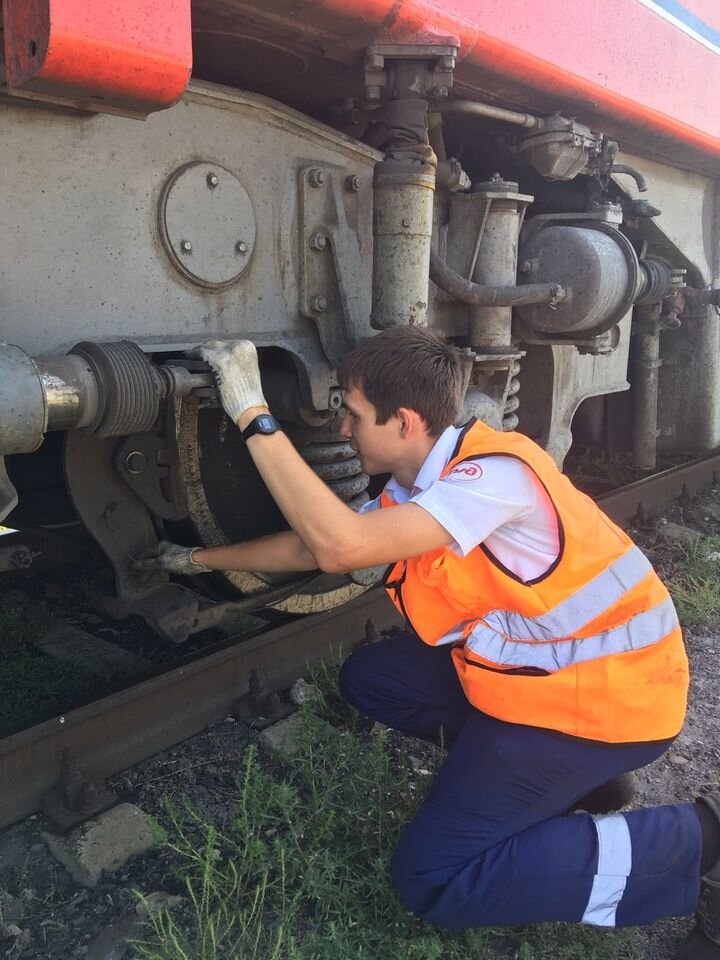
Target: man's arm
x: 339, y: 539
x: 276, y: 553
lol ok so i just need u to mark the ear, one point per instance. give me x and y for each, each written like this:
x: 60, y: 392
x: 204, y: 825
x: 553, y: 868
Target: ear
x: 410, y: 422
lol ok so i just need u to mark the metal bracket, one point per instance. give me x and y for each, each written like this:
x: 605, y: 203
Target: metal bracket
x: 143, y: 461
x: 440, y: 63
x: 330, y: 262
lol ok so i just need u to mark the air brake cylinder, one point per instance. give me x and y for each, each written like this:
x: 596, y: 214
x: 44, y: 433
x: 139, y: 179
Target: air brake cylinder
x: 599, y: 265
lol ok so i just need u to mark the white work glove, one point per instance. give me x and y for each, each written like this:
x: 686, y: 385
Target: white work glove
x: 235, y: 364
x: 169, y: 558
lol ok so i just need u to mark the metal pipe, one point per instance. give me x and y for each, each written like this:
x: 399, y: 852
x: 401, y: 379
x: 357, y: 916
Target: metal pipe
x: 456, y: 105
x: 645, y: 386
x: 490, y: 296
x: 631, y: 172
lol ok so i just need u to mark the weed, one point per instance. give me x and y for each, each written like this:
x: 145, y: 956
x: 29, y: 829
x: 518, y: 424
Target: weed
x: 695, y: 584
x: 303, y: 873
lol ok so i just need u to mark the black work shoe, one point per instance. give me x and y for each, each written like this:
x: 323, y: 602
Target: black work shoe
x: 608, y: 797
x: 708, y: 908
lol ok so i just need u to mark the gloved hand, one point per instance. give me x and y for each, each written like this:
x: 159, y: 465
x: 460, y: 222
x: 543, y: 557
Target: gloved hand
x: 235, y: 363
x: 169, y: 558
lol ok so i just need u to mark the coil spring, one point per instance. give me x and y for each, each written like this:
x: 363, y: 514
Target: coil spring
x: 512, y: 402
x: 336, y: 463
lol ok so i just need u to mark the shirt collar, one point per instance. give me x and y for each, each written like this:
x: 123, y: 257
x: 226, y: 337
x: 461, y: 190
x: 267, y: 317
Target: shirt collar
x: 432, y: 466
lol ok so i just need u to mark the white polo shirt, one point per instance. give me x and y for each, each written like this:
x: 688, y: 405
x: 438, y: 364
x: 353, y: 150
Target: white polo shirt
x: 497, y: 501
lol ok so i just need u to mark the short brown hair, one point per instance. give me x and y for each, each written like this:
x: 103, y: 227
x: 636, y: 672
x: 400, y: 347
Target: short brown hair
x: 408, y: 367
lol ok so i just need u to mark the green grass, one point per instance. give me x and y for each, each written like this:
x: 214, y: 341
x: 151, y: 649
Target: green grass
x: 695, y: 583
x: 304, y: 872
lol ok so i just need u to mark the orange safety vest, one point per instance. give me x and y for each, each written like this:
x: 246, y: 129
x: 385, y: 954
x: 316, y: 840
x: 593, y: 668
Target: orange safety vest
x: 592, y: 648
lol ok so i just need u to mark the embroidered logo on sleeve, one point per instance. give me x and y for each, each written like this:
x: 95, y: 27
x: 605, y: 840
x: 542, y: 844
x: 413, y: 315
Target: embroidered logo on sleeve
x: 465, y: 472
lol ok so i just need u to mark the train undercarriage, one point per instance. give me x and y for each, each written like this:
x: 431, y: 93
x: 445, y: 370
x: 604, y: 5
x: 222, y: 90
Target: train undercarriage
x: 578, y: 280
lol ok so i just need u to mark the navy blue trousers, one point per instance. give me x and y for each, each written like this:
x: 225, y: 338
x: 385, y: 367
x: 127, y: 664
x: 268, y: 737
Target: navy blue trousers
x: 491, y: 844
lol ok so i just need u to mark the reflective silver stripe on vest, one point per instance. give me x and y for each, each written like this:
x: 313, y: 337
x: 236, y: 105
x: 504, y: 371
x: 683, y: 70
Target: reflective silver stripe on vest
x: 640, y: 631
x: 571, y: 614
x: 613, y: 870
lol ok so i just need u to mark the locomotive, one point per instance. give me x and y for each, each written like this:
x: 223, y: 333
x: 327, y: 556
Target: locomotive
x: 538, y: 185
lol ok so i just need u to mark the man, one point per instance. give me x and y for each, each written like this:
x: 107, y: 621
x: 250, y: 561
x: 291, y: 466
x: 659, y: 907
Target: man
x: 542, y: 649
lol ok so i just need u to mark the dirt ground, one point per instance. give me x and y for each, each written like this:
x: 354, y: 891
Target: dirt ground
x: 45, y: 915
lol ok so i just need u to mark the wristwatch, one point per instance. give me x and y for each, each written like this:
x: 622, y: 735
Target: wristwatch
x: 264, y: 423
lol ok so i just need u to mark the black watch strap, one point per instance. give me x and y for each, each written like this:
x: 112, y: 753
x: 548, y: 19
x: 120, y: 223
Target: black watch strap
x: 263, y: 423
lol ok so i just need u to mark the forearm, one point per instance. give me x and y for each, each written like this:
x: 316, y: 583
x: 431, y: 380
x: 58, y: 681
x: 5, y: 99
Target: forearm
x: 276, y: 553
x: 321, y: 520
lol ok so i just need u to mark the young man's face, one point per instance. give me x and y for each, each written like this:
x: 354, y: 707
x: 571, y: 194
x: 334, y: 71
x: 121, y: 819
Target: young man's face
x: 375, y: 443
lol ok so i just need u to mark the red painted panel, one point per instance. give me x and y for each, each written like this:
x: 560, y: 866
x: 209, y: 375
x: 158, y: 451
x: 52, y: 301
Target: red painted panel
x: 127, y: 54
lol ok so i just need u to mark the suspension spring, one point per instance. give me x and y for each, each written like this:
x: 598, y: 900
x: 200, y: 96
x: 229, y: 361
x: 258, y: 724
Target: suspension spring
x: 337, y: 464
x: 512, y: 401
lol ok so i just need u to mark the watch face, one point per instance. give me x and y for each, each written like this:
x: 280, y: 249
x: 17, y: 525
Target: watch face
x: 265, y: 423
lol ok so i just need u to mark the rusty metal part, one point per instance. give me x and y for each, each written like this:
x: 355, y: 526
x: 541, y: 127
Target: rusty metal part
x: 482, y: 295
x: 77, y: 795
x: 17, y: 556
x: 623, y: 505
x: 117, y: 731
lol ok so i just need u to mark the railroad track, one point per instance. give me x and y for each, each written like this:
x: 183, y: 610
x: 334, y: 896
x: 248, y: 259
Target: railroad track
x: 122, y: 729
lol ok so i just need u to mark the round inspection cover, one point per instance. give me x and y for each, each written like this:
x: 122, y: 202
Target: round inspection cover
x: 207, y: 224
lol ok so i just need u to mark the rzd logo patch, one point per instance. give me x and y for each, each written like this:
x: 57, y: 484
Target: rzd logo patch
x: 466, y: 471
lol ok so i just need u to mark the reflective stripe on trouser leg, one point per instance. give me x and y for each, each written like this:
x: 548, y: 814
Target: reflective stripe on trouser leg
x: 613, y: 870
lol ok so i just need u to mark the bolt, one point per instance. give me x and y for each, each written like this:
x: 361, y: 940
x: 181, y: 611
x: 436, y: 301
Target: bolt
x: 440, y: 92
x: 373, y: 92
x: 375, y: 61
x: 405, y: 222
x: 241, y: 246
x: 186, y: 246
x: 318, y: 304
x: 135, y: 462
x: 353, y: 182
x: 526, y: 266
x: 316, y: 178
x: 212, y: 180
x: 335, y: 399
x: 447, y: 63
x: 318, y: 241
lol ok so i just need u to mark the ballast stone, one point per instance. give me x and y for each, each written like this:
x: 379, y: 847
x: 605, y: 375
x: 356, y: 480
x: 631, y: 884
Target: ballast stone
x: 676, y: 533
x: 104, y: 843
x: 285, y: 736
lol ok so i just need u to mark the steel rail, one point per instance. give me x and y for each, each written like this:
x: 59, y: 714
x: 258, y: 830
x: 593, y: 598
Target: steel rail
x: 117, y: 731
x: 625, y: 504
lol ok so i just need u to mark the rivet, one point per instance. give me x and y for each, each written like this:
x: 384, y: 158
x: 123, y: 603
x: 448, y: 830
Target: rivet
x: 241, y: 246
x: 318, y: 304
x: 405, y: 222
x: 212, y: 180
x: 186, y: 246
